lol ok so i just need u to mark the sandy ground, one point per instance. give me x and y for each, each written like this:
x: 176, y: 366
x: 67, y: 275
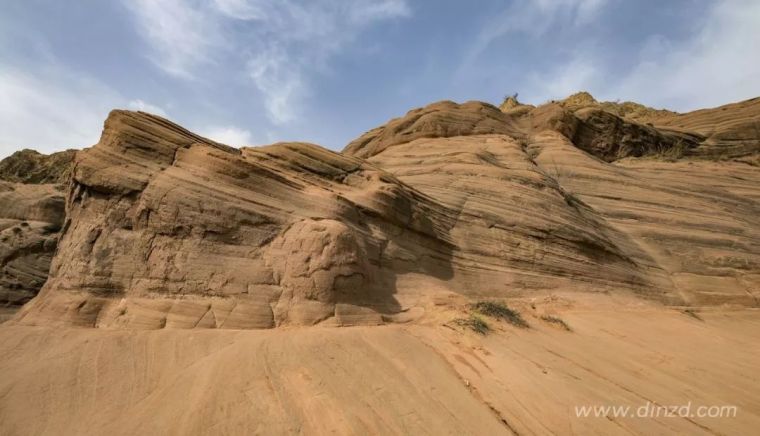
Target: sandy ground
x: 429, y: 377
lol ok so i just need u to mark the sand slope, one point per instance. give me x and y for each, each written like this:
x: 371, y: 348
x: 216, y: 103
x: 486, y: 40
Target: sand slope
x: 414, y: 379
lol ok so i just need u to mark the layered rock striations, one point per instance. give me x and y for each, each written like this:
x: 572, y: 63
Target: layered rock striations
x: 30, y: 217
x: 674, y: 225
x: 165, y: 228
x: 32, y: 191
x: 168, y: 229
x: 31, y: 167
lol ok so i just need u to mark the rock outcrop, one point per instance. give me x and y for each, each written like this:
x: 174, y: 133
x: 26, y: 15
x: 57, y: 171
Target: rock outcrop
x: 32, y: 195
x: 731, y: 131
x: 629, y: 110
x: 29, y: 166
x: 30, y: 217
x: 165, y: 228
x: 439, y: 120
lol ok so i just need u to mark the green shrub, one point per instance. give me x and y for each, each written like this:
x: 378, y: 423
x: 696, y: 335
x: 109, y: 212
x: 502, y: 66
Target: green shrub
x: 474, y: 323
x: 499, y: 310
x: 555, y: 320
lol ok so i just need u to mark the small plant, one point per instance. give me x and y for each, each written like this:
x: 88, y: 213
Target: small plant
x: 474, y: 323
x: 556, y: 173
x: 670, y: 152
x: 499, y: 310
x: 557, y: 321
x: 512, y: 96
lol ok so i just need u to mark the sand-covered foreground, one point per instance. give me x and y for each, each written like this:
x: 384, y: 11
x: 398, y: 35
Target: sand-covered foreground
x: 428, y: 377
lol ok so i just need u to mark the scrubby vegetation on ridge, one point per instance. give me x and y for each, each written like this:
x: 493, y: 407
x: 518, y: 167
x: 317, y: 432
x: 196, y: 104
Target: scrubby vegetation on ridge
x: 499, y: 310
x: 556, y: 321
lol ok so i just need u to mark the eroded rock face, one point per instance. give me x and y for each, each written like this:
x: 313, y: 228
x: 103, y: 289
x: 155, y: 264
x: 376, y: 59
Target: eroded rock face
x: 320, y: 263
x: 30, y: 218
x: 439, y: 120
x: 609, y: 137
x: 165, y: 228
x: 29, y: 166
x: 31, y: 215
x: 566, y: 200
x: 730, y: 131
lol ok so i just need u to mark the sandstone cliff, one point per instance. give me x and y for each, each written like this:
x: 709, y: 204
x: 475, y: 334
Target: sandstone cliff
x: 32, y: 191
x: 676, y: 225
x: 165, y: 228
x: 29, y: 166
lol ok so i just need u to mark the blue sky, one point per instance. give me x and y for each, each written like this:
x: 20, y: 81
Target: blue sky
x: 253, y: 72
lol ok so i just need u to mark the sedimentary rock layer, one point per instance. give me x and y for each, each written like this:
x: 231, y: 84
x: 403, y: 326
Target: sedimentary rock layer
x: 30, y: 218
x: 165, y: 228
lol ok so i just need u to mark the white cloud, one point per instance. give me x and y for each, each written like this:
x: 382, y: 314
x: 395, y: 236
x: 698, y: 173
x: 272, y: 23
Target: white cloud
x: 532, y: 17
x: 719, y: 64
x: 379, y: 10
x: 54, y: 108
x: 297, y: 39
x: 578, y: 75
x: 229, y: 135
x: 182, y: 34
x: 51, y: 110
x: 586, y: 10
x: 140, y: 105
x: 280, y: 43
x: 281, y: 84
x: 243, y: 9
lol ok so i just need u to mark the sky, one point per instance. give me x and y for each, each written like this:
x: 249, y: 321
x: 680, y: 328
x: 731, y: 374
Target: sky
x: 254, y: 72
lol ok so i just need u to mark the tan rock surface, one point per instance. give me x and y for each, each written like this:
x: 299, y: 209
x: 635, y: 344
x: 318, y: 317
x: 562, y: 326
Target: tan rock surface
x: 166, y: 228
x: 29, y: 166
x: 30, y: 218
x: 32, y: 191
x: 414, y: 379
x: 543, y: 207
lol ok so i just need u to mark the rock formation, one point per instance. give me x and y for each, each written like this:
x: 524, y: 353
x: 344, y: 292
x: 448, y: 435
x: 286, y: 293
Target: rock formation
x: 624, y: 239
x: 32, y: 191
x: 165, y: 228
x: 29, y: 166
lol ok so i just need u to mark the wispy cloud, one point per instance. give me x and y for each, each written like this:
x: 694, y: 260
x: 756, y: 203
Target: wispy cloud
x: 720, y: 63
x: 56, y: 108
x: 140, y: 105
x: 531, y: 17
x: 281, y: 43
x: 716, y: 65
x: 51, y: 110
x: 183, y: 35
x: 229, y: 135
x: 226, y: 134
x: 296, y: 39
x: 585, y: 11
x: 580, y: 74
x: 280, y: 79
